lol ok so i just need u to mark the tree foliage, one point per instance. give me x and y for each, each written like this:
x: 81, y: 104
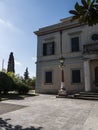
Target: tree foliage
x: 22, y: 88
x: 6, y: 83
x: 87, y: 12
x: 19, y: 85
x: 30, y: 82
x: 11, y: 65
x: 11, y: 82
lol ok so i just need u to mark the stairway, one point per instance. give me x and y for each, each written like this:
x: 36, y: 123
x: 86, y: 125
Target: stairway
x: 85, y: 95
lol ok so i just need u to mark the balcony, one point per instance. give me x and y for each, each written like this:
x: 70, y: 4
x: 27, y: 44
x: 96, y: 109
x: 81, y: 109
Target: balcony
x: 90, y: 48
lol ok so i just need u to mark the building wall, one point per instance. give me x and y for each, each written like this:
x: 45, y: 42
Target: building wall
x: 73, y: 60
x: 42, y: 68
x: 55, y: 86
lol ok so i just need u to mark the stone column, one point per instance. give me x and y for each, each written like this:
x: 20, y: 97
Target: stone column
x: 87, y: 75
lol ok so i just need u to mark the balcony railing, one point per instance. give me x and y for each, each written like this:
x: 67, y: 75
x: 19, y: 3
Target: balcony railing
x: 90, y: 48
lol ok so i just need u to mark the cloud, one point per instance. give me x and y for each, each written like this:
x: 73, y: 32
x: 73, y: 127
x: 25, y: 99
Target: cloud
x: 9, y: 25
x: 34, y: 59
x: 18, y: 63
x: 2, y: 21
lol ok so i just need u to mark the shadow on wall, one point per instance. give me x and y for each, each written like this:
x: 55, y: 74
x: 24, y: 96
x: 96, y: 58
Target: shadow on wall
x: 6, y: 126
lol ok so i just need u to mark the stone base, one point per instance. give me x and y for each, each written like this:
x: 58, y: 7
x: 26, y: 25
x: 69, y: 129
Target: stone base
x: 62, y: 93
x: 58, y: 96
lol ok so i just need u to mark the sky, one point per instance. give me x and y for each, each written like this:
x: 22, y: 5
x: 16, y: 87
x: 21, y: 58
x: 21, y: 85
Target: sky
x: 18, y: 21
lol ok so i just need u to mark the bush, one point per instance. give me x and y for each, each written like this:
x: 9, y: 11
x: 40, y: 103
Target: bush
x: 19, y: 85
x: 6, y: 83
x: 22, y: 88
x: 30, y: 82
x: 16, y: 78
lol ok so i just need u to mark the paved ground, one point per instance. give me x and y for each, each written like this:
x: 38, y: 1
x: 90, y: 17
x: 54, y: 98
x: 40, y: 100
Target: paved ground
x: 6, y: 107
x: 45, y: 112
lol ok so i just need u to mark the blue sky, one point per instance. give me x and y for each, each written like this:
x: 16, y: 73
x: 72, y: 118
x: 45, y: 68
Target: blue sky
x: 18, y: 20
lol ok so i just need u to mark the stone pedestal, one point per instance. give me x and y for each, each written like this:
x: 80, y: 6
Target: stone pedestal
x: 62, y: 92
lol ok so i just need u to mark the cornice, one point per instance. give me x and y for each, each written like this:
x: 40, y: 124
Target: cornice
x: 57, y: 59
x: 57, y: 27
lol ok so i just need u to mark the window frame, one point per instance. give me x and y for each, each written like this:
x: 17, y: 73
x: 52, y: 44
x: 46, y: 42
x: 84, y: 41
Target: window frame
x: 46, y: 48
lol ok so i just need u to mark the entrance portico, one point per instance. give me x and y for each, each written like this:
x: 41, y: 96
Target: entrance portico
x: 90, y: 74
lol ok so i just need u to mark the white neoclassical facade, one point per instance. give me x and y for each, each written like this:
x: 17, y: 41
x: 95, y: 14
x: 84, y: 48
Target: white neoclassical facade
x: 78, y: 45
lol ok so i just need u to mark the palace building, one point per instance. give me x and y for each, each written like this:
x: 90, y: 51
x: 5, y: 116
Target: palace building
x: 78, y: 44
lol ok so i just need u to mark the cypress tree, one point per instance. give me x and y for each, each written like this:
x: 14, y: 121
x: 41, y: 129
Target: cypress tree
x: 10, y: 67
x: 26, y: 74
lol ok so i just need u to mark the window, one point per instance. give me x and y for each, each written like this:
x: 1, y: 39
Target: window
x: 76, y: 76
x: 48, y: 48
x: 48, y: 77
x: 75, y: 44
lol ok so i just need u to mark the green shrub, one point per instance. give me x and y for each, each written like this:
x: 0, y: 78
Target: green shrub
x: 16, y: 78
x: 30, y: 82
x: 6, y: 83
x: 22, y: 88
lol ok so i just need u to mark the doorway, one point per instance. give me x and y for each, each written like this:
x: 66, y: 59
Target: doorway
x: 96, y: 74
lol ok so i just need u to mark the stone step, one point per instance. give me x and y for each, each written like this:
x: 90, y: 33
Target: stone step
x: 85, y: 95
x: 89, y: 93
x: 87, y: 98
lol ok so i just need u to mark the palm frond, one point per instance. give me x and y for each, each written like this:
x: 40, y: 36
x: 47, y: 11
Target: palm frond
x: 84, y: 3
x: 92, y: 4
x: 88, y: 2
x: 87, y: 12
x: 96, y: 1
x: 73, y: 12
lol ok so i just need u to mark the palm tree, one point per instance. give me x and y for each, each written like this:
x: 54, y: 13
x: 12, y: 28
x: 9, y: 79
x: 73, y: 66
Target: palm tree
x: 86, y: 13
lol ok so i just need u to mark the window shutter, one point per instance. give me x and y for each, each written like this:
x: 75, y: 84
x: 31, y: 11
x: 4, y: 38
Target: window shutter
x: 48, y: 77
x: 76, y: 76
x: 44, y: 49
x: 75, y: 44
